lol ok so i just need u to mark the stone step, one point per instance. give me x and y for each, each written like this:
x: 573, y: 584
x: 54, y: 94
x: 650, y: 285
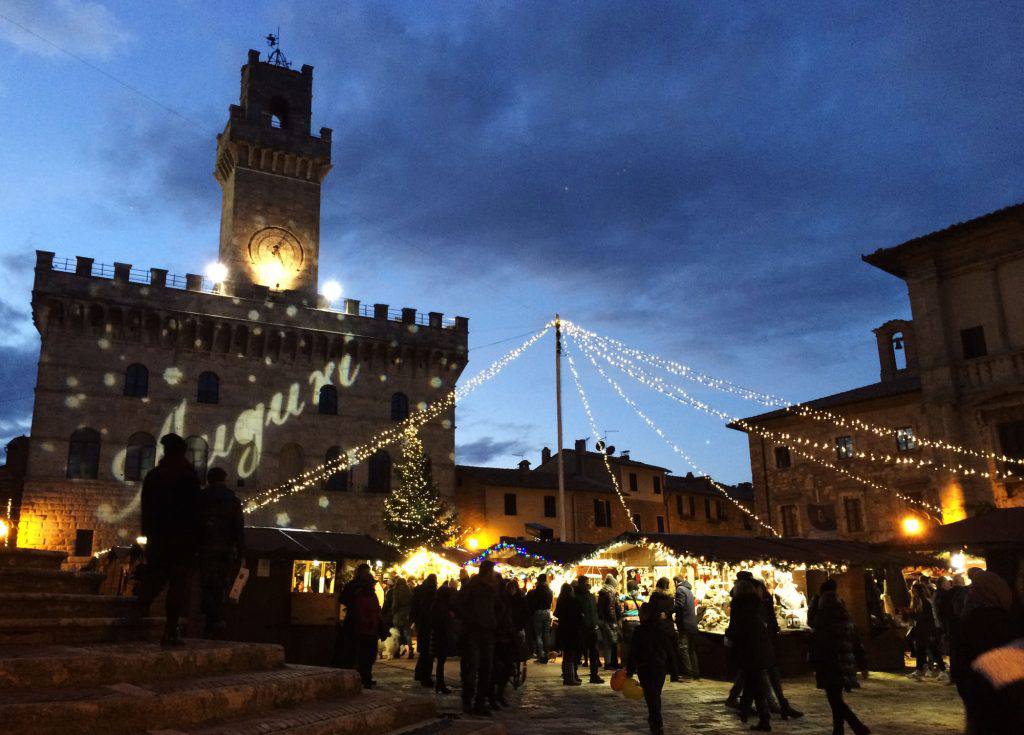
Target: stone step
x: 31, y: 559
x: 449, y: 726
x: 56, y: 631
x: 122, y: 709
x: 62, y: 605
x: 93, y: 665
x: 49, y: 580
x: 375, y: 712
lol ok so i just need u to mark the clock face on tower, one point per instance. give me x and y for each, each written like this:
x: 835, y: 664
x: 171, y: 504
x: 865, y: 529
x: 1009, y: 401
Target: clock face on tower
x: 277, y: 256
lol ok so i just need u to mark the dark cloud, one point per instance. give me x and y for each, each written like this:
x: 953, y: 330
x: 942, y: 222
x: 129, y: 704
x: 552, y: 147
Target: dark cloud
x: 18, y: 377
x: 487, y: 449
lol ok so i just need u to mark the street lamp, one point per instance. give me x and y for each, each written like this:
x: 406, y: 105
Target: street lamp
x: 331, y: 291
x: 217, y: 273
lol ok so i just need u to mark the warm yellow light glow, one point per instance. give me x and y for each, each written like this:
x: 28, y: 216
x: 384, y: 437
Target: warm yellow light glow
x: 912, y: 525
x: 4, y: 528
x: 217, y: 272
x: 958, y: 562
x: 473, y: 543
x: 331, y: 291
x: 272, y: 274
x: 141, y: 540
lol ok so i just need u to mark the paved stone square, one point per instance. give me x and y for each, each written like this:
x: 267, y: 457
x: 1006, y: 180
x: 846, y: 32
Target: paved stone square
x: 888, y: 703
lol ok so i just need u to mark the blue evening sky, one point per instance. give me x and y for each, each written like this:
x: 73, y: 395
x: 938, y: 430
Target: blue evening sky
x: 697, y: 179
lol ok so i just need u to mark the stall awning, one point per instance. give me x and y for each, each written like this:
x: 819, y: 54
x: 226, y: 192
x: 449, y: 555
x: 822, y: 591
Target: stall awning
x: 292, y: 543
x: 736, y: 549
x: 997, y: 529
x: 537, y: 553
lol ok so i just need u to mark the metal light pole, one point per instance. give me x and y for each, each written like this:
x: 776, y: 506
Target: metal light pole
x: 558, y: 402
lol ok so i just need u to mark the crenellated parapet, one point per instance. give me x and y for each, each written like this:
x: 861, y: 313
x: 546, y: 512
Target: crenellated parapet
x: 119, y: 303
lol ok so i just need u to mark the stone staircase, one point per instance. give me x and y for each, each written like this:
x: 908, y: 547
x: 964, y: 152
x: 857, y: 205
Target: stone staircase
x: 72, y: 664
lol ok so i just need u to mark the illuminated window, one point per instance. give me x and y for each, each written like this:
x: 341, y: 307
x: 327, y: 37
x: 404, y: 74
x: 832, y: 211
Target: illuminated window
x: 844, y: 447
x: 209, y: 388
x: 602, y: 514
x: 313, y: 576
x: 197, y: 452
x: 905, y: 439
x: 290, y: 462
x: 339, y: 481
x: 136, y: 381
x: 84, y: 454
x: 327, y: 401
x: 379, y: 480
x: 973, y: 342
x: 399, y: 407
x: 510, y: 504
x: 550, y: 506
x: 782, y: 458
x: 657, y: 485
x: 139, y: 456
x: 634, y: 483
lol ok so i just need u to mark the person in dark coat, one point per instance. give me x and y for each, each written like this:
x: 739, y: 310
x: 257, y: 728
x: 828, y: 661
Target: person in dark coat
x: 647, y: 657
x: 539, y: 601
x: 836, y: 655
x: 773, y: 676
x: 221, y: 547
x: 170, y: 523
x: 569, y: 633
x: 591, y: 633
x: 995, y: 679
x: 609, y: 615
x: 749, y: 646
x: 686, y: 628
x: 441, y: 632
x: 478, y: 608
x: 397, y: 612
x: 663, y: 607
x: 357, y: 644
x: 422, y: 601
x: 925, y: 633
x: 986, y: 625
x: 506, y: 642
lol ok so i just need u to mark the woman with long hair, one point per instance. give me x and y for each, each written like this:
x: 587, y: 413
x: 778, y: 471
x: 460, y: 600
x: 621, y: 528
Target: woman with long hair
x: 925, y: 633
x: 569, y: 633
x: 750, y: 647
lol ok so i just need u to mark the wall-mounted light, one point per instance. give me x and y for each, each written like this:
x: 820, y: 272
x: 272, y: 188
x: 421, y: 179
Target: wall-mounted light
x: 331, y: 291
x: 912, y: 526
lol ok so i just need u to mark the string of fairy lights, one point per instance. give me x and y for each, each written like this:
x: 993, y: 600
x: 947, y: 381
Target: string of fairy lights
x: 678, y: 394
x: 798, y: 409
x: 391, y: 435
x: 593, y: 429
x: 677, y: 449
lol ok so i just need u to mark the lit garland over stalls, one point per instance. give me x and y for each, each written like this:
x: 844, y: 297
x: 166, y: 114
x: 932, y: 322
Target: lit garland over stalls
x: 414, y: 513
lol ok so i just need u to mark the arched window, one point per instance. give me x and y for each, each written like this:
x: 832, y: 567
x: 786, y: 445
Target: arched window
x: 327, y: 402
x: 84, y: 454
x: 209, y: 388
x: 290, y: 462
x: 136, y: 381
x: 899, y: 351
x: 380, y: 473
x: 399, y: 407
x: 198, y: 455
x: 139, y: 456
x: 339, y: 481
x: 278, y: 109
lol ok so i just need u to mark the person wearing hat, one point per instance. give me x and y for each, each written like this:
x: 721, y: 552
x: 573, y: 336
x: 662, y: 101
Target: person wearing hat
x: 170, y: 523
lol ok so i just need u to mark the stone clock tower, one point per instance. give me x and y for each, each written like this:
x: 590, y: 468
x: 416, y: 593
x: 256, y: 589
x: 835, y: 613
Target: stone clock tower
x: 270, y: 168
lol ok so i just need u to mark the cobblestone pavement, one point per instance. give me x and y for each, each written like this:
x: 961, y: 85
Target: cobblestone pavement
x: 888, y: 703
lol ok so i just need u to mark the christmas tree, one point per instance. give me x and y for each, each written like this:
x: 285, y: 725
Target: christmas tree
x: 414, y: 513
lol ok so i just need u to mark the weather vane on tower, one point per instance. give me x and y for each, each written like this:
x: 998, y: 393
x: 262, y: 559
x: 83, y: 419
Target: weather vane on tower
x: 276, y: 56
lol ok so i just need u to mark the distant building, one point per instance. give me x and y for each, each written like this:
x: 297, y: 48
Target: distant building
x: 955, y: 373
x: 259, y: 372
x: 523, y: 502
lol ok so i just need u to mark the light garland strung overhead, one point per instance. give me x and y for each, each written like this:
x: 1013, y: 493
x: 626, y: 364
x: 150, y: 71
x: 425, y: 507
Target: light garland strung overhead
x: 519, y: 550
x: 388, y: 436
x: 593, y: 429
x: 679, y: 395
x: 678, y: 450
x: 796, y: 409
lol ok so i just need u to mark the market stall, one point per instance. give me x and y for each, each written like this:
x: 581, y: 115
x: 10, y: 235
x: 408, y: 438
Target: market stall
x: 526, y: 559
x: 445, y: 563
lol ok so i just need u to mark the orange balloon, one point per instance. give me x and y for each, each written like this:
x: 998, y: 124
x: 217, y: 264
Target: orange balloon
x: 618, y: 680
x: 632, y: 690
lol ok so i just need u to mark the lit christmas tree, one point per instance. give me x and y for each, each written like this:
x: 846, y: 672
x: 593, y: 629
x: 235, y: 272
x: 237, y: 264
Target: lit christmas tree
x: 414, y: 513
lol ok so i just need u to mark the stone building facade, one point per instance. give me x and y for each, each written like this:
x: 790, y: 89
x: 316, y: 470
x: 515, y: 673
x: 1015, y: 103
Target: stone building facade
x: 955, y: 372
x: 262, y: 375
x: 522, y: 503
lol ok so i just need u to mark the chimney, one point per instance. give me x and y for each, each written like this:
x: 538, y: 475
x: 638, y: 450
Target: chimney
x: 581, y: 450
x: 524, y: 469
x: 545, y: 455
x: 624, y: 454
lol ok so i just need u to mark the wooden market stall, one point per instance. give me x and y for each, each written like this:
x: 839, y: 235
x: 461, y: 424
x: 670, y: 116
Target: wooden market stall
x: 291, y: 595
